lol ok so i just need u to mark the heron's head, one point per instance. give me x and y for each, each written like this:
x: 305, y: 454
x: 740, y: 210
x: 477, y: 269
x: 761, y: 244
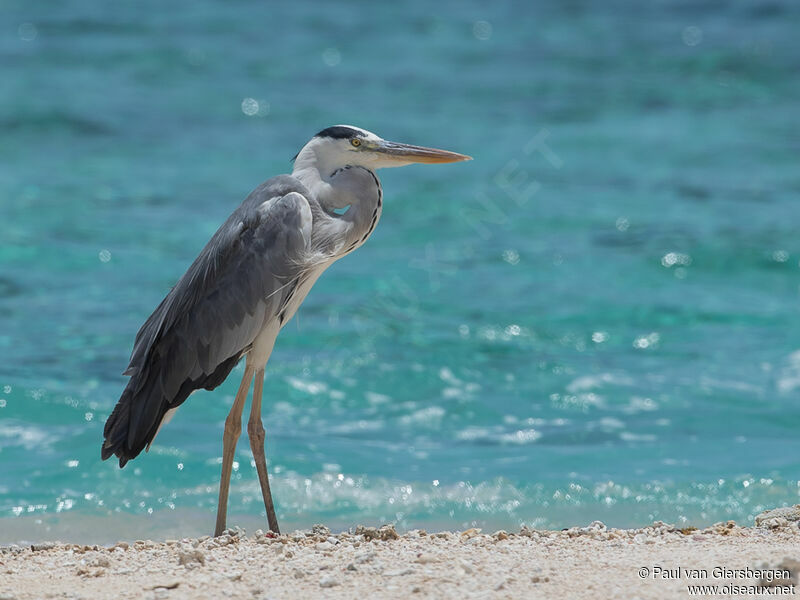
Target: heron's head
x: 344, y: 145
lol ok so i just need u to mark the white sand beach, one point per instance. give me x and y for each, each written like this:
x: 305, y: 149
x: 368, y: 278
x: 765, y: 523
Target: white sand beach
x: 659, y: 561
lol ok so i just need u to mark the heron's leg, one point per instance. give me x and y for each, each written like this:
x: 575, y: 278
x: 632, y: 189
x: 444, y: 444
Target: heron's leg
x: 233, y: 428
x: 255, y: 430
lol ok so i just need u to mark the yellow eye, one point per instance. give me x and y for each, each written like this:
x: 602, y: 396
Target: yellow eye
x: 356, y: 142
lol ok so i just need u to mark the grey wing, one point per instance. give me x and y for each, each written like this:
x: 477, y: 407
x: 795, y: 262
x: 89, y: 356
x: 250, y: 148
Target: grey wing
x: 239, y: 282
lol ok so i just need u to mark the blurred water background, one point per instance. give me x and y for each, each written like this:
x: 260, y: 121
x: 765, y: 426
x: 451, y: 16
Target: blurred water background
x: 597, y: 318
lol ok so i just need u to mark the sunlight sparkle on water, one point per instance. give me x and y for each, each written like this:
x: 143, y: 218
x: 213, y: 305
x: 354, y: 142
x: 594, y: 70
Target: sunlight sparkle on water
x: 482, y: 30
x: 250, y: 106
x: 646, y: 341
x: 331, y: 57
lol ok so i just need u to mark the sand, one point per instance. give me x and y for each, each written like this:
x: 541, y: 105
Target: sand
x: 583, y: 562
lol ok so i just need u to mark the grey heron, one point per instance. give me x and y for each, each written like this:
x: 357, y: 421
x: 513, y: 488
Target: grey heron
x: 246, y: 284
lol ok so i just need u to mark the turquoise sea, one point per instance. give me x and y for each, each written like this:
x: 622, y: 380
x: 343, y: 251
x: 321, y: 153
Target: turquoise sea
x: 597, y: 318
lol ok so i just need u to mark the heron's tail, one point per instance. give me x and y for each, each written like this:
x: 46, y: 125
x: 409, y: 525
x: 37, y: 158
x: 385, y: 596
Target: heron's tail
x: 152, y: 390
x: 135, y: 419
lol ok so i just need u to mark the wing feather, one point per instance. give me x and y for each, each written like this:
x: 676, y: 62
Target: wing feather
x: 237, y: 284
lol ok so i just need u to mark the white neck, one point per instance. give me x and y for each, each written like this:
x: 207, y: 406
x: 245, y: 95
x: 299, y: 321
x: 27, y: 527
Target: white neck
x: 312, y: 171
x: 335, y: 183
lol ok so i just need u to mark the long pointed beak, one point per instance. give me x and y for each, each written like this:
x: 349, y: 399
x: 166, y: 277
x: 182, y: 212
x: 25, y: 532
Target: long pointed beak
x: 406, y: 153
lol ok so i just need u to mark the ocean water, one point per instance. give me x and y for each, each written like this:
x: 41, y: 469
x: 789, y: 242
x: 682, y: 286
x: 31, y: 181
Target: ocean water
x: 597, y: 318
